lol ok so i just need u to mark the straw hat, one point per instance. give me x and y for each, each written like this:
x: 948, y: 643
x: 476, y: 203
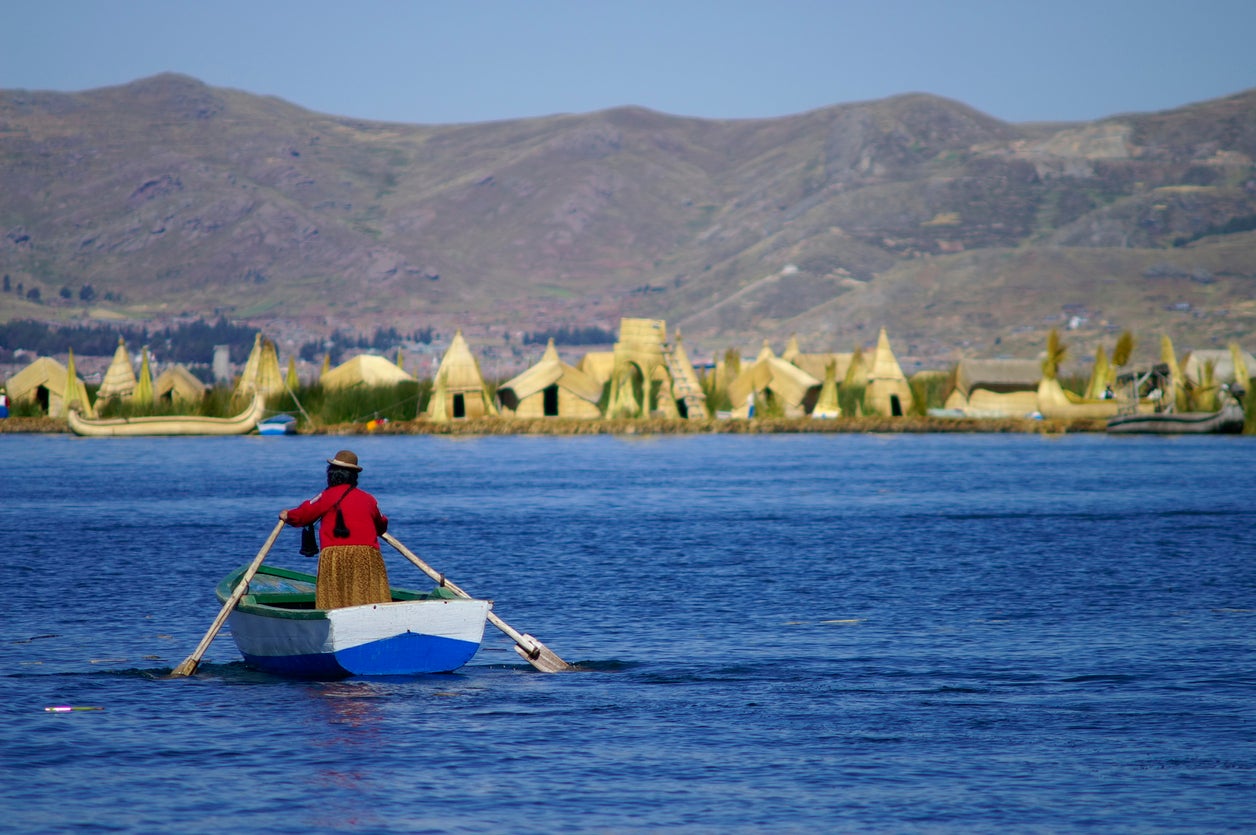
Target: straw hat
x: 345, y: 459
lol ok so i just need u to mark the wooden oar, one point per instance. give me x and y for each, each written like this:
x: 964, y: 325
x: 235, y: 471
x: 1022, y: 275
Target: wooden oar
x: 528, y: 647
x: 190, y: 664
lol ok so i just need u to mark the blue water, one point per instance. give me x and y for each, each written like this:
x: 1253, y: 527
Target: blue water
x: 838, y: 633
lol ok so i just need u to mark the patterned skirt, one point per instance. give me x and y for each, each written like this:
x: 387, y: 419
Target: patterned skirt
x: 350, y: 575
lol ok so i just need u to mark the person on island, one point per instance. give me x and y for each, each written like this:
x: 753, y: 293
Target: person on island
x: 351, y: 570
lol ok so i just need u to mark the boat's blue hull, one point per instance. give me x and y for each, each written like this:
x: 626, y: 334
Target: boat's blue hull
x: 277, y: 630
x: 278, y: 425
x: 407, y: 654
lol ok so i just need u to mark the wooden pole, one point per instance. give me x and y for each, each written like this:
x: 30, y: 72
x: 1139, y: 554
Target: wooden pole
x: 190, y: 663
x: 528, y: 647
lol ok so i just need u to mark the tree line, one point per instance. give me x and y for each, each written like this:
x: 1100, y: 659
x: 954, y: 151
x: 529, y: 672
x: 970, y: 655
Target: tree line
x: 189, y: 343
x: 571, y: 336
x: 384, y: 339
x: 186, y: 342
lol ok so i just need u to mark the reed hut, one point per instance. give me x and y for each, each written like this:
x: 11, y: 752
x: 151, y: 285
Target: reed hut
x: 639, y: 364
x: 827, y: 405
x: 771, y: 378
x: 996, y: 387
x: 119, y: 382
x: 1001, y: 376
x: 821, y: 366
x: 687, y: 395
x: 1222, y: 361
x: 598, y: 366
x: 51, y: 385
x: 179, y: 385
x: 365, y: 370
x: 817, y: 364
x: 261, y: 372
x: 792, y: 351
x: 144, y: 385
x: 648, y: 375
x: 459, y: 390
x: 888, y: 391
x: 551, y: 388
x: 857, y: 370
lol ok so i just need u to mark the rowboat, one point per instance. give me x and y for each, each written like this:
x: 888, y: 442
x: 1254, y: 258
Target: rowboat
x: 278, y: 630
x: 1228, y: 420
x: 280, y: 424
x: 167, y: 424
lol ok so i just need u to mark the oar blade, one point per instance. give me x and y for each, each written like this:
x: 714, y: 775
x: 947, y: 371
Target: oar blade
x: 542, y: 657
x: 193, y: 661
x: 187, y: 668
x: 528, y: 647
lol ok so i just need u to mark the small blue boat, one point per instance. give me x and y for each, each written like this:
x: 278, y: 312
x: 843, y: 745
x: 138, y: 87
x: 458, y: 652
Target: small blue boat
x: 281, y: 424
x: 278, y: 630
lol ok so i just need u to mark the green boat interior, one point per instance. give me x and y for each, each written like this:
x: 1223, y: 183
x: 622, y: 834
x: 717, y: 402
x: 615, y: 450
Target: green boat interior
x: 284, y: 588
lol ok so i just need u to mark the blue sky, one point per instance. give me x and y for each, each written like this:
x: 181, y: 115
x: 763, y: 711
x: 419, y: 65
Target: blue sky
x: 484, y: 60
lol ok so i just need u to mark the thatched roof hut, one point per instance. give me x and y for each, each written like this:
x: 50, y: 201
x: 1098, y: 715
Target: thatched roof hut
x: 47, y: 382
x: 261, y: 371
x: 888, y: 392
x: 365, y: 370
x: 639, y: 363
x: 817, y: 364
x: 687, y: 393
x: 1222, y: 361
x: 791, y: 349
x: 983, y: 403
x: 598, y: 366
x: 827, y: 405
x: 997, y: 375
x: 459, y: 390
x: 119, y: 382
x: 996, y: 387
x: 144, y: 385
x: 769, y: 375
x: 551, y: 388
x: 178, y: 385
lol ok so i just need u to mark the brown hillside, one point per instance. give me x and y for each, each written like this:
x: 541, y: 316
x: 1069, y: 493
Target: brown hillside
x: 960, y: 233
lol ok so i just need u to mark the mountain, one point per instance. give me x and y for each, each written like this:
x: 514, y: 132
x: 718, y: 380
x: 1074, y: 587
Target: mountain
x: 960, y: 233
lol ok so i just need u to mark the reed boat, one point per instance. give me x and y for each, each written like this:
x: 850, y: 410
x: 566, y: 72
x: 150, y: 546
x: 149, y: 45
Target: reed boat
x: 1228, y: 420
x: 278, y: 630
x: 241, y: 424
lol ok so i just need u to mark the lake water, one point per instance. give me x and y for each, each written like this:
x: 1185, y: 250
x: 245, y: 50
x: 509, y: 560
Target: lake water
x: 835, y: 633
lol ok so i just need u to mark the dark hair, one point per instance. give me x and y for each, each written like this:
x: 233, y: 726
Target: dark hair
x: 341, y: 475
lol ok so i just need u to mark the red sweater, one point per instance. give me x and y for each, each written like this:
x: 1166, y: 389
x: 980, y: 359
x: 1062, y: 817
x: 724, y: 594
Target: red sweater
x: 360, y: 510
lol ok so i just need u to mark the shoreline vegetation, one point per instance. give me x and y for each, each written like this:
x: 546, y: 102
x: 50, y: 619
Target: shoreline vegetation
x: 653, y: 426
x: 649, y: 390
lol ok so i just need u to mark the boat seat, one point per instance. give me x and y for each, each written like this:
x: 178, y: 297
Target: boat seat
x: 298, y: 600
x: 283, y: 600
x: 442, y: 593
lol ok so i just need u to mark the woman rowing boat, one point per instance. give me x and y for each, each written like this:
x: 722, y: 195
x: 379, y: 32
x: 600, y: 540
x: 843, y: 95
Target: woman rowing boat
x: 351, y: 570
